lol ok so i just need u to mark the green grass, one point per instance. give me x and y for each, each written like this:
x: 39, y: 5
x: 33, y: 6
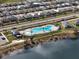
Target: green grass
x: 9, y: 1
x: 58, y: 24
x: 77, y: 27
x: 9, y: 36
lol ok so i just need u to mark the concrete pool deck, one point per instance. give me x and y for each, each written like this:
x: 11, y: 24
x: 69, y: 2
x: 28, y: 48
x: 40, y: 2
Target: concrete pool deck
x: 39, y: 30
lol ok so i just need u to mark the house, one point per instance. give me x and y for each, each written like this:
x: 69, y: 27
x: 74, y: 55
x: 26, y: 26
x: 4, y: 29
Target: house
x: 77, y: 7
x: 13, y: 18
x: 1, y: 15
x: 19, y: 17
x: 75, y: 3
x: 5, y: 20
x: 12, y: 12
x: 58, y: 5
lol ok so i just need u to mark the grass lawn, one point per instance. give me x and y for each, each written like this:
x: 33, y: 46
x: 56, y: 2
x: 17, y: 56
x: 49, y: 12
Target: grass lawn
x: 77, y: 27
x: 63, y: 14
x: 9, y: 36
x: 58, y: 24
x: 9, y: 1
x: 73, y: 22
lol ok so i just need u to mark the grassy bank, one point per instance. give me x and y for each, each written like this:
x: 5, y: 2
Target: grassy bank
x: 9, y: 36
x: 9, y: 1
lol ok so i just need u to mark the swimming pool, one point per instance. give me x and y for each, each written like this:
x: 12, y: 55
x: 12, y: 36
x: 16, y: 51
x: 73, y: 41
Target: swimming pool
x: 40, y: 30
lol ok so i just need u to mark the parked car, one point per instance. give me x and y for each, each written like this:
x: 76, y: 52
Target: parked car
x: 16, y: 34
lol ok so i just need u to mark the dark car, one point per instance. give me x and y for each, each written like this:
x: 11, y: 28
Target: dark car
x: 16, y: 34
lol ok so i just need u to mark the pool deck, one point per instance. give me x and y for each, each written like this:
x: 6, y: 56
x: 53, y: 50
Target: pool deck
x: 39, y: 30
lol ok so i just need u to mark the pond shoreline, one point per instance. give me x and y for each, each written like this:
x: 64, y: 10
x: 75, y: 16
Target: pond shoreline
x: 29, y: 43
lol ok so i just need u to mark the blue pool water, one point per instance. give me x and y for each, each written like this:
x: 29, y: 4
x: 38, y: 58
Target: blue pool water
x: 39, y: 29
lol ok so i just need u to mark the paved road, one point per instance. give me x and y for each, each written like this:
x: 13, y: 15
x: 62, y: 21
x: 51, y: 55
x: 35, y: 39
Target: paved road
x: 28, y: 24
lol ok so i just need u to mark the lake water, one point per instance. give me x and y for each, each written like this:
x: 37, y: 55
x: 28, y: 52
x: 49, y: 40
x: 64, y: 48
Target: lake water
x: 63, y: 49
